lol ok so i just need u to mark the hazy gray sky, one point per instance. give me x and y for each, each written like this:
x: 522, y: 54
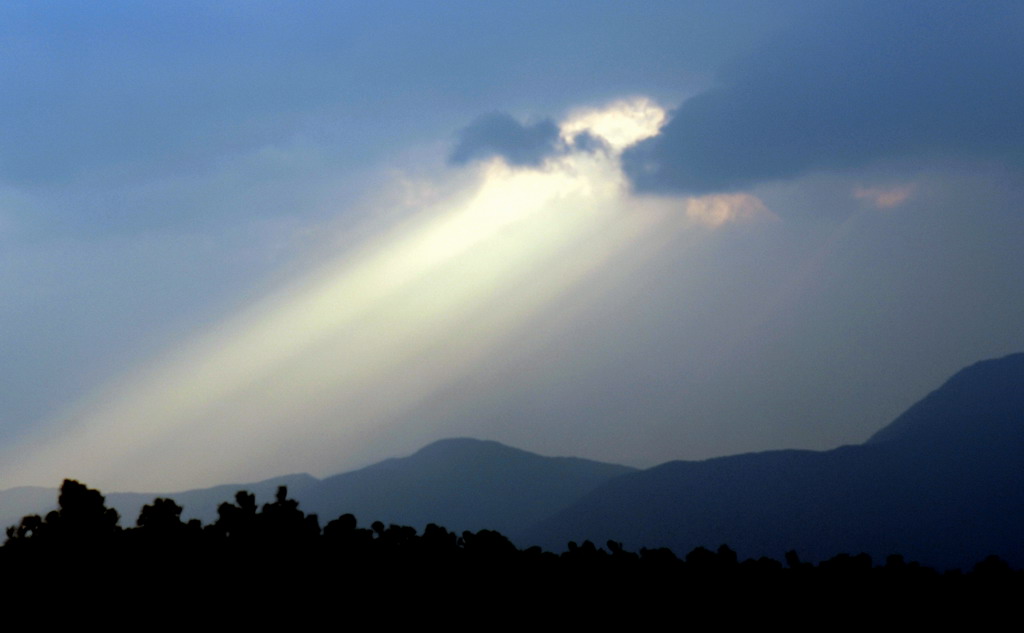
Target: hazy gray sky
x: 239, y: 239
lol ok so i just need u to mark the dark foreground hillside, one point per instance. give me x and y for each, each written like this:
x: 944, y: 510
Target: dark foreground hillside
x: 275, y: 564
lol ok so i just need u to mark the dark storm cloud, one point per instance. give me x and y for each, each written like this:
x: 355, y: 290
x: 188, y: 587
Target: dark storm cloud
x: 854, y: 85
x: 499, y: 134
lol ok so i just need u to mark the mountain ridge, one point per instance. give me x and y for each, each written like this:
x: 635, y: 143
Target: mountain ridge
x: 995, y: 393
x: 463, y: 484
x: 943, y: 483
x: 945, y: 486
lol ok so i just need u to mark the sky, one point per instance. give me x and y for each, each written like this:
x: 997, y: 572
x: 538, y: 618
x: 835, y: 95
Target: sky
x: 244, y: 239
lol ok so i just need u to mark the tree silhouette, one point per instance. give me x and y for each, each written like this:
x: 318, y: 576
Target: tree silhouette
x: 81, y: 518
x: 279, y: 551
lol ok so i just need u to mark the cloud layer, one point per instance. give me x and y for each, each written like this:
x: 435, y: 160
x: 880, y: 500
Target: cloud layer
x: 857, y: 84
x: 499, y: 134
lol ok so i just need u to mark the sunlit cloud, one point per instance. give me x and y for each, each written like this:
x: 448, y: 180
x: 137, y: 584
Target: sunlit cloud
x: 305, y: 377
x: 621, y: 124
x: 885, y: 197
x: 716, y: 210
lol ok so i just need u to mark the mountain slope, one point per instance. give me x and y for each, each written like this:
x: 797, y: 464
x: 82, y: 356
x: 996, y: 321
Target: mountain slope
x: 943, y: 484
x: 980, y: 405
x: 462, y: 484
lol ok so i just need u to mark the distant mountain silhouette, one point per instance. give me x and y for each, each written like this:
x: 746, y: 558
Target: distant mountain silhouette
x: 979, y: 407
x: 943, y: 484
x: 462, y: 484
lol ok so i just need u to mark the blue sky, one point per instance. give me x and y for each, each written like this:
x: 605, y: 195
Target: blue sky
x: 243, y: 239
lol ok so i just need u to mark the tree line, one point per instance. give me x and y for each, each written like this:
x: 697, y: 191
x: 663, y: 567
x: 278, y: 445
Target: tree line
x: 280, y: 551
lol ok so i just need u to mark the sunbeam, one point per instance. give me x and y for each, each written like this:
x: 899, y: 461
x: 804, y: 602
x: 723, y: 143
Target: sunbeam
x: 344, y: 353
